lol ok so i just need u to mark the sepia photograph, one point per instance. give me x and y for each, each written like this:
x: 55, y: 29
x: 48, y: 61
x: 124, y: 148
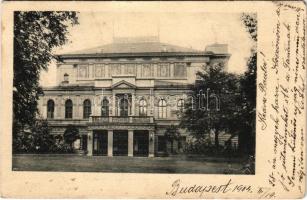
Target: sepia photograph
x: 158, y: 99
x: 148, y: 93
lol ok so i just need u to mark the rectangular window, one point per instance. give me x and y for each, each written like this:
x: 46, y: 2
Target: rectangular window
x: 99, y: 70
x: 50, y: 115
x: 180, y: 70
x: 162, y: 112
x: 68, y: 113
x: 163, y: 70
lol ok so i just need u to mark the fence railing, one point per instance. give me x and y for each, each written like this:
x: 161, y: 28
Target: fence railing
x: 119, y: 119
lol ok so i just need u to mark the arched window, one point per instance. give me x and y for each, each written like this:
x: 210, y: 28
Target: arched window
x: 68, y: 109
x: 66, y: 78
x: 143, y: 107
x: 105, y: 107
x: 50, y: 109
x: 180, y: 104
x: 162, y: 109
x: 87, y: 109
x: 123, y: 106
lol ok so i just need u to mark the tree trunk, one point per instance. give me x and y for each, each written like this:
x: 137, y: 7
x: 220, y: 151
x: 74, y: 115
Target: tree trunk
x: 216, y: 140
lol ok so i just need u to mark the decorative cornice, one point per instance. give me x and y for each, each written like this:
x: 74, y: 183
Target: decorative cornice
x: 153, y: 54
x: 92, y: 89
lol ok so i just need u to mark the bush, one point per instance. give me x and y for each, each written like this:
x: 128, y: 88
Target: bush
x: 22, y: 142
x: 34, y: 139
x: 37, y: 139
x: 60, y: 146
x: 204, y: 146
x: 71, y: 134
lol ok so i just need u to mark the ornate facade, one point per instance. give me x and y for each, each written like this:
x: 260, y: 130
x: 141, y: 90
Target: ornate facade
x: 123, y: 95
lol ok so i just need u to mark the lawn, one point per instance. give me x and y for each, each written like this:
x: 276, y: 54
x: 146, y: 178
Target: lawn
x: 78, y: 163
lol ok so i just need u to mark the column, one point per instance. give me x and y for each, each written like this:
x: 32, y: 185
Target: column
x: 90, y: 143
x: 151, y: 143
x: 113, y: 105
x: 152, y: 102
x: 110, y: 143
x: 133, y: 105
x: 130, y: 142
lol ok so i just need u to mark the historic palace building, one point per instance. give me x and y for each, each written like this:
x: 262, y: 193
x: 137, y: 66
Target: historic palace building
x: 122, y: 96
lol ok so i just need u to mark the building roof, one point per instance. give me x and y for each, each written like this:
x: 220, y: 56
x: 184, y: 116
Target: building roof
x: 217, y: 48
x: 134, y: 47
x: 144, y: 46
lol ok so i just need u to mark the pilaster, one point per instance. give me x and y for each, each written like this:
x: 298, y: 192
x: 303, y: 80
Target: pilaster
x: 113, y: 105
x: 90, y: 143
x: 151, y: 136
x: 133, y: 105
x: 110, y: 143
x: 130, y: 142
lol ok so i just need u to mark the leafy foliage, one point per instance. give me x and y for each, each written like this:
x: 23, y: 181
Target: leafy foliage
x: 200, y: 120
x: 205, y: 147
x: 61, y: 146
x: 172, y: 134
x: 237, y: 101
x: 36, y: 34
x: 34, y: 140
x: 248, y: 86
x: 71, y: 134
x: 250, y: 22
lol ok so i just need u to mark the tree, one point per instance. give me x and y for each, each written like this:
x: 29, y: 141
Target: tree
x: 247, y: 114
x: 172, y: 134
x: 43, y: 142
x: 34, y: 140
x: 71, y: 134
x: 223, y: 101
x: 36, y: 34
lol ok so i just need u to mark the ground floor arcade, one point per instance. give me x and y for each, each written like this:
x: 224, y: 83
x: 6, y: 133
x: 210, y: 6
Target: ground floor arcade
x: 121, y: 142
x: 137, y: 140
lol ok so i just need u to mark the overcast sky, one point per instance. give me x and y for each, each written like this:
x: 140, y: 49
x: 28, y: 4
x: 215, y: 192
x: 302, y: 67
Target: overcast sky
x: 196, y: 30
